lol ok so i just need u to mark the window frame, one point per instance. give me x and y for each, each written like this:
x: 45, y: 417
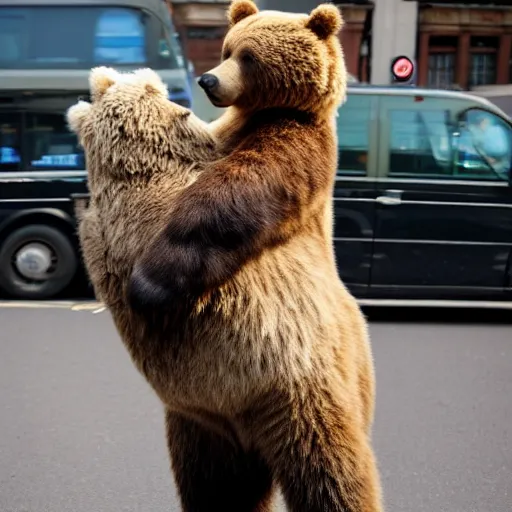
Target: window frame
x: 445, y: 49
x: 475, y: 50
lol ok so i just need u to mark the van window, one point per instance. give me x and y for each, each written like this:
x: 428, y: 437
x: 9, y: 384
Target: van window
x: 419, y: 143
x: 10, y: 142
x: 483, y: 147
x: 51, y: 146
x: 353, y: 126
x: 119, y: 37
x: 62, y: 37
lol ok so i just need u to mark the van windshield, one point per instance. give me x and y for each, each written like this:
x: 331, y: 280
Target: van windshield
x: 56, y: 37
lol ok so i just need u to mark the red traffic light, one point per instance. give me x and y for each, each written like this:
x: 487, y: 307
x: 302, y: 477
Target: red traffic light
x: 402, y: 69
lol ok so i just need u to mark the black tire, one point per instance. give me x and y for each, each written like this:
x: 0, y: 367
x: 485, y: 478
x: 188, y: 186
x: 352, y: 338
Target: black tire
x: 64, y: 266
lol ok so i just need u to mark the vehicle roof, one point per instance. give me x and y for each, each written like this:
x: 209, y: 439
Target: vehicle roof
x: 141, y: 4
x: 424, y: 91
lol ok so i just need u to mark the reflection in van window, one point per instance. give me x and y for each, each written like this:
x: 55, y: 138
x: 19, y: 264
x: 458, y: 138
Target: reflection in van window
x: 419, y: 143
x: 353, y: 126
x: 10, y: 142
x: 51, y: 145
x: 484, y: 146
x: 119, y: 37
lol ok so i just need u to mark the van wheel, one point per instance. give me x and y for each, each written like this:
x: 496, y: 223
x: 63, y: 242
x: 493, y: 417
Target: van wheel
x: 36, y: 262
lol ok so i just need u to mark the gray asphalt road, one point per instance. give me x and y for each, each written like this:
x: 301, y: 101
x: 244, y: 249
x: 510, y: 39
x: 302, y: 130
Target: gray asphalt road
x: 80, y: 430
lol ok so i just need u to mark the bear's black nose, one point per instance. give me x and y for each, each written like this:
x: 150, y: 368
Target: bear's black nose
x: 208, y: 82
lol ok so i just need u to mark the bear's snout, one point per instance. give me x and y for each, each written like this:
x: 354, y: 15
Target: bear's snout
x: 208, y: 82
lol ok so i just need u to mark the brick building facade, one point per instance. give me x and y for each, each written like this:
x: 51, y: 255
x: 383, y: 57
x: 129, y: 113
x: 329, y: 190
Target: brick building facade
x: 464, y: 45
x: 456, y: 43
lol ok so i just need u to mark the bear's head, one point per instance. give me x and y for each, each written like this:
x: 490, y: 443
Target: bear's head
x: 131, y: 127
x: 275, y: 59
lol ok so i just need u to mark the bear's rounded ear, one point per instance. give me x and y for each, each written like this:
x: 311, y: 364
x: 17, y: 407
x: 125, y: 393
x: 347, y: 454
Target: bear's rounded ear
x: 240, y: 9
x: 325, y: 20
x: 100, y: 79
x: 76, y: 115
x: 152, y: 82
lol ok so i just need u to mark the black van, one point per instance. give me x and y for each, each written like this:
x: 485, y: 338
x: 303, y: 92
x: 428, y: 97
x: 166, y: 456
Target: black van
x: 423, y: 197
x: 41, y: 165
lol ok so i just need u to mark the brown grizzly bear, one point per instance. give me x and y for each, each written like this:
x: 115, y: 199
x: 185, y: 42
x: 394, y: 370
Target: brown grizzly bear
x: 239, y: 320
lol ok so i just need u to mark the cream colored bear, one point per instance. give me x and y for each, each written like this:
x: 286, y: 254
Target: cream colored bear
x: 141, y: 149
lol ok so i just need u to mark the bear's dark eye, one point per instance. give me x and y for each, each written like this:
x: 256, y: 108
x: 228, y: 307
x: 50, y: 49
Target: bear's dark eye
x: 226, y: 54
x: 248, y: 57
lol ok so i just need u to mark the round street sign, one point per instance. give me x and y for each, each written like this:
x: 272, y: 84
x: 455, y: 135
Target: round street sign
x: 402, y: 69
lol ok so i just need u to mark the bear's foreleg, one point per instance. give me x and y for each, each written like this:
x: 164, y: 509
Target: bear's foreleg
x: 319, y: 452
x: 232, y: 213
x: 215, y: 474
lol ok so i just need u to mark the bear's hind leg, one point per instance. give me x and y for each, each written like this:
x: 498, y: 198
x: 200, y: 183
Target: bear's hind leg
x: 215, y: 474
x: 318, y: 451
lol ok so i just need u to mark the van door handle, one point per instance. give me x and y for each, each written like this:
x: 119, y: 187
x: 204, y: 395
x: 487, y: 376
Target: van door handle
x: 390, y: 198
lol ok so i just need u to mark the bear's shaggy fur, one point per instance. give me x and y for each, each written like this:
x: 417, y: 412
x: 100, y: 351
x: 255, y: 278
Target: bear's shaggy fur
x: 141, y: 150
x: 239, y: 320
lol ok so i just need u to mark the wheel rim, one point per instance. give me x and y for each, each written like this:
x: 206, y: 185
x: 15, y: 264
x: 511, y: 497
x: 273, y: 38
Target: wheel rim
x: 34, y: 261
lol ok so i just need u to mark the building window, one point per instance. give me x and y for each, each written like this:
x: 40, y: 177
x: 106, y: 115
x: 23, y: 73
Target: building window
x: 441, y: 70
x: 441, y: 61
x: 483, y: 60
